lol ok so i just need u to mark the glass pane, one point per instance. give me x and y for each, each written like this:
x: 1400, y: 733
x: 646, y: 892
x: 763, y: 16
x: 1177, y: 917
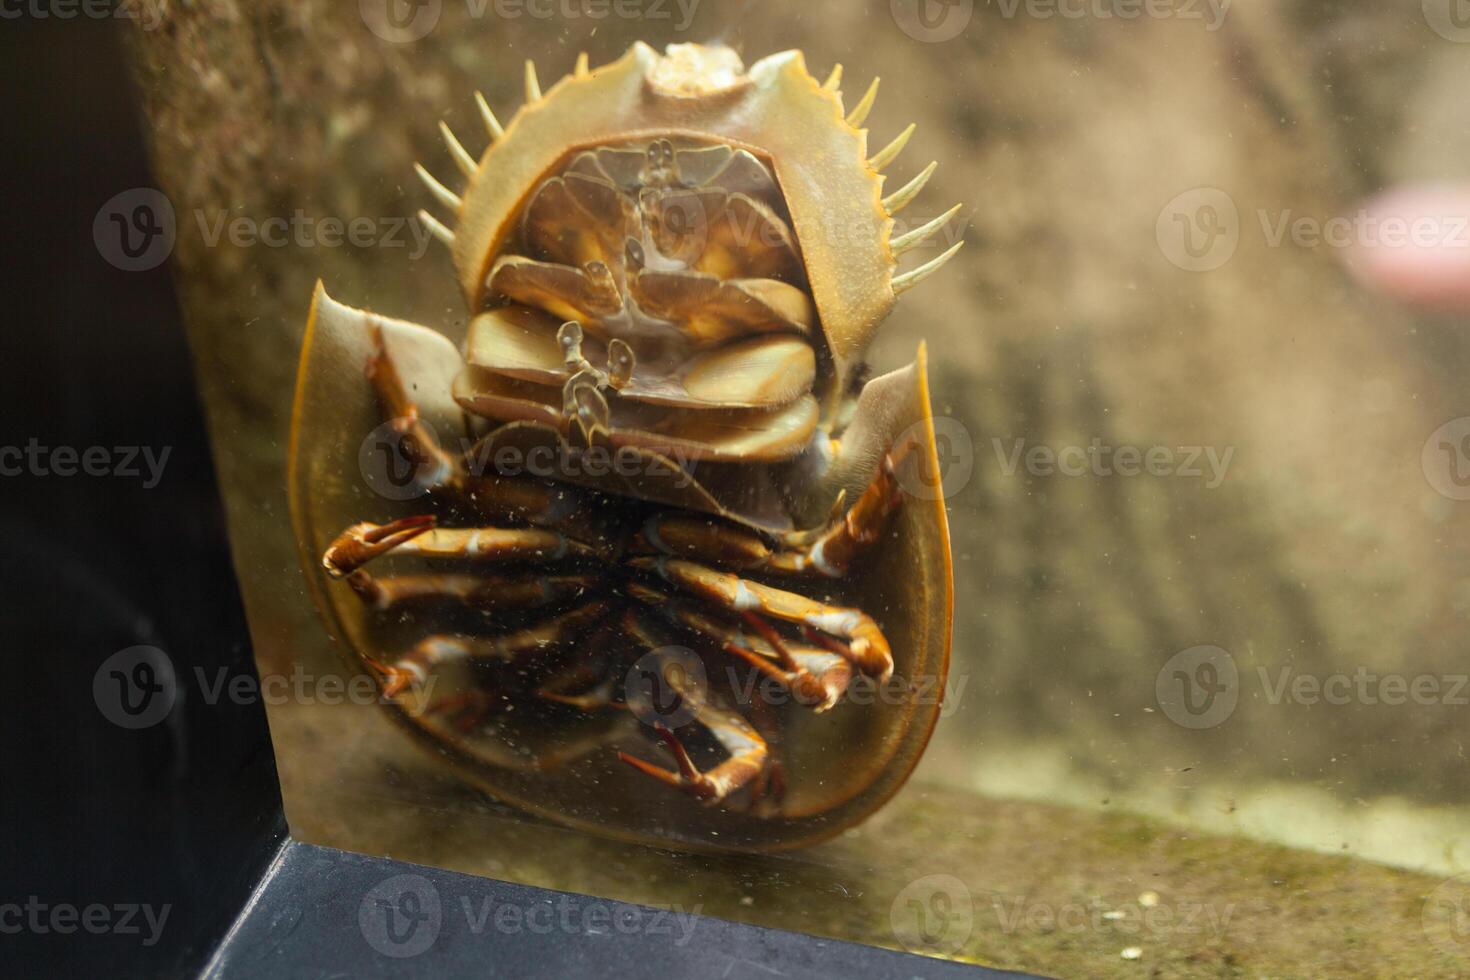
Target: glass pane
x: 1197, y: 411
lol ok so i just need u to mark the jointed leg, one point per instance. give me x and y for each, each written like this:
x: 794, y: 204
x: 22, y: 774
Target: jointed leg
x: 468, y: 709
x: 480, y: 592
x: 815, y: 675
x: 468, y: 481
x: 363, y: 542
x: 736, y: 736
x: 747, y: 754
x: 768, y: 789
x: 678, y: 547
x: 414, y: 668
x: 439, y: 469
x: 590, y: 682
x: 831, y: 551
x: 866, y: 646
x: 827, y: 551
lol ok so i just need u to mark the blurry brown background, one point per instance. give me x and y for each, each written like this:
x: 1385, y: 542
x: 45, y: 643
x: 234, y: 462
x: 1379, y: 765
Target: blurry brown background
x: 1324, y: 549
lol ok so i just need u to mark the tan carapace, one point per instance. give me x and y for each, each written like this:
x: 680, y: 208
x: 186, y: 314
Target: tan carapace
x: 653, y: 496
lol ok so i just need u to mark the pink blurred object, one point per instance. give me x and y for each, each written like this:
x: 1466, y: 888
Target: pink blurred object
x: 1416, y: 246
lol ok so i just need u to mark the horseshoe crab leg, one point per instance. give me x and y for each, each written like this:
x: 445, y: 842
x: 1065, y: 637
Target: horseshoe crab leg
x: 438, y: 468
x: 412, y: 669
x: 866, y: 646
x: 747, y: 753
x: 591, y: 673
x: 418, y: 535
x: 481, y: 592
x: 465, y: 478
x: 828, y: 551
x: 594, y: 698
x: 816, y: 676
x: 468, y: 709
x: 361, y: 543
x: 831, y: 550
x: 736, y: 736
